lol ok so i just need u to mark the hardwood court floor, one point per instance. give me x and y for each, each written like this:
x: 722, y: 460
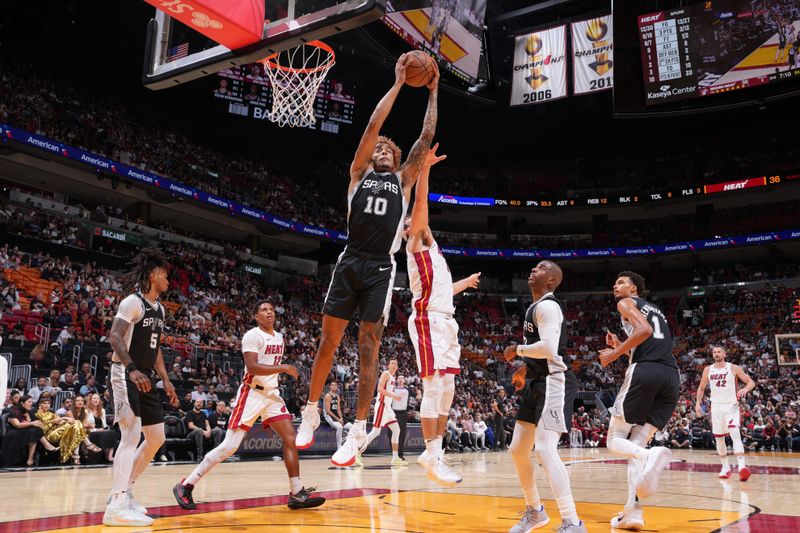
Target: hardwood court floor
x: 251, y: 496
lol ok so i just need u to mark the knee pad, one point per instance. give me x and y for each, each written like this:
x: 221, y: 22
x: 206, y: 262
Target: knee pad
x: 641, y: 435
x: 736, y: 438
x: 448, y: 392
x: 617, y: 429
x: 395, y: 433
x: 431, y: 392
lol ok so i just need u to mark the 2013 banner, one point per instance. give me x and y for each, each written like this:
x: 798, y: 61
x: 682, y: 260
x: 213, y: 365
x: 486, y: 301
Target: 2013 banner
x: 540, y: 67
x: 592, y: 55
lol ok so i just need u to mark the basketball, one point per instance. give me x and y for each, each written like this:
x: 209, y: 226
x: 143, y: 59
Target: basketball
x: 419, y: 71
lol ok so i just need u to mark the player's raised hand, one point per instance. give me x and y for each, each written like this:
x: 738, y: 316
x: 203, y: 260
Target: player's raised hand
x: 518, y: 379
x: 510, y: 352
x: 400, y: 69
x: 474, y: 280
x: 431, y: 158
x: 291, y: 370
x: 434, y: 83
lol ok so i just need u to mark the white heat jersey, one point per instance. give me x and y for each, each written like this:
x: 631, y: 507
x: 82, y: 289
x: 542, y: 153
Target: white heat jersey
x: 380, y: 398
x: 723, y: 384
x: 270, y: 352
x: 430, y: 280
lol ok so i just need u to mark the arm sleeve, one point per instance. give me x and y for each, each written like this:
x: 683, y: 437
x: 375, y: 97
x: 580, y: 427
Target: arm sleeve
x: 130, y: 309
x: 548, y: 320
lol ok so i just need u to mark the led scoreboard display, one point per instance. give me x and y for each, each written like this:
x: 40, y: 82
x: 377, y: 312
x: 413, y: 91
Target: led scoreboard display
x: 716, y: 47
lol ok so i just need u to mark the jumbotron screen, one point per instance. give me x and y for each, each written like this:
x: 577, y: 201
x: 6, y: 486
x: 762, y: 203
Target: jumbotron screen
x: 450, y: 29
x: 718, y: 46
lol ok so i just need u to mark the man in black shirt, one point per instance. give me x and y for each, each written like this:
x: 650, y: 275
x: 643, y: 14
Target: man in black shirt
x: 647, y: 397
x: 218, y: 420
x: 198, y: 428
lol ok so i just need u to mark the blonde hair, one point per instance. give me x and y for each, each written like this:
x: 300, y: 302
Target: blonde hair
x: 396, y: 151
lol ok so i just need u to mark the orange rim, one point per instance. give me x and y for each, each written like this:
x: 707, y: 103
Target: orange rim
x: 269, y: 61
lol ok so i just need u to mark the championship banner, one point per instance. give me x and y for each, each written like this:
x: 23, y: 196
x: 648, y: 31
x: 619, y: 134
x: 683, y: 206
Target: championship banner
x: 592, y: 55
x: 540, y: 68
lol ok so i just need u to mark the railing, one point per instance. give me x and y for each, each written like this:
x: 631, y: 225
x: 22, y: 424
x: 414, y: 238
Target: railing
x: 76, y: 357
x: 42, y: 334
x: 58, y: 399
x: 20, y: 371
x: 93, y: 364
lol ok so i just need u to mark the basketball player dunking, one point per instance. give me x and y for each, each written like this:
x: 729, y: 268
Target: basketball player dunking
x: 725, y: 397
x: 135, y: 337
x: 258, y: 397
x: 384, y: 414
x: 647, y: 397
x: 548, y: 392
x: 432, y: 328
x: 377, y: 196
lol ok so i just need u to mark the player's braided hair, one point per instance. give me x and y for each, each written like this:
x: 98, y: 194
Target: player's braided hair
x: 138, y: 277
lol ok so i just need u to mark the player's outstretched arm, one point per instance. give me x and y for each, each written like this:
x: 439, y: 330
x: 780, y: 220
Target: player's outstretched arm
x: 370, y: 136
x: 641, y: 332
x: 749, y: 384
x: 470, y: 282
x: 701, y: 392
x: 419, y: 217
x: 413, y: 164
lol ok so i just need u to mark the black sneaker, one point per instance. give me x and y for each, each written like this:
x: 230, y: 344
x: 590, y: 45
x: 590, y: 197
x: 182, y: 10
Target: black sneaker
x: 302, y: 500
x: 183, y: 495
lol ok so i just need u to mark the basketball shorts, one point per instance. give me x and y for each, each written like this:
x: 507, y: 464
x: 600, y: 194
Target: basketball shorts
x: 724, y: 416
x: 384, y: 415
x: 649, y: 394
x: 549, y: 401
x: 130, y: 401
x: 435, y: 340
x: 250, y: 404
x: 361, y: 282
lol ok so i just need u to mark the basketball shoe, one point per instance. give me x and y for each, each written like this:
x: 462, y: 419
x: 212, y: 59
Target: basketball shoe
x: 354, y: 444
x: 305, y: 433
x: 134, y: 505
x: 744, y: 473
x: 657, y: 460
x: 118, y: 513
x: 183, y: 495
x: 302, y: 500
x: 437, y: 469
x: 725, y: 472
x: 531, y: 519
x: 631, y: 519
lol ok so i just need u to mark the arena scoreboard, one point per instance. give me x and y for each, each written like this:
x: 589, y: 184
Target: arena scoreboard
x: 715, y: 47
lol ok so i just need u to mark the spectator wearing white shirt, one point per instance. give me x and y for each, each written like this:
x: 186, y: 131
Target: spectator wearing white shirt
x: 400, y: 407
x: 479, y: 429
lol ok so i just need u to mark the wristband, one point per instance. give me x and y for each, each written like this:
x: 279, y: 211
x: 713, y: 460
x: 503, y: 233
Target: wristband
x: 131, y: 367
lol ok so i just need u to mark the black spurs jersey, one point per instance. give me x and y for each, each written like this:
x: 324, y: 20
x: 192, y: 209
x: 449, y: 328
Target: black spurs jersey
x: 144, y: 334
x: 375, y: 212
x: 538, y: 368
x: 658, y: 346
x: 335, y: 404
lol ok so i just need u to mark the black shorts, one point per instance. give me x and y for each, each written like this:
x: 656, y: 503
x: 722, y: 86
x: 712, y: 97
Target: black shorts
x: 649, y: 394
x: 361, y: 282
x: 558, y: 401
x: 124, y: 394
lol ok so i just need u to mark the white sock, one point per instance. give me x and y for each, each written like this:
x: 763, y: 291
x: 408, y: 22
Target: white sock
x: 725, y: 464
x: 311, y: 405
x: 360, y: 425
x: 740, y: 460
x: 295, y: 485
x: 432, y: 446
x: 394, y: 454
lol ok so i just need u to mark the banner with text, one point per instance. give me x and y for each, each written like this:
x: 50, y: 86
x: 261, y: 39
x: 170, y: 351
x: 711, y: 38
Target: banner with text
x: 592, y: 55
x: 540, y: 67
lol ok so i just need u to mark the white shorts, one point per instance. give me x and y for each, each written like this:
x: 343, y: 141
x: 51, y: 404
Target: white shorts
x: 251, y: 404
x: 435, y: 339
x: 384, y: 414
x: 724, y: 416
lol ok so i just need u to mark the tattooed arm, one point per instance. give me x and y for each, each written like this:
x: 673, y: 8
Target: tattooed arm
x: 413, y: 164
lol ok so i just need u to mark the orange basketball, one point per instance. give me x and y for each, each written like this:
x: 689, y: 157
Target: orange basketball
x: 419, y: 71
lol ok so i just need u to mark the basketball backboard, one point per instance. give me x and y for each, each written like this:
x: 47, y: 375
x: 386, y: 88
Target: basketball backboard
x: 175, y: 53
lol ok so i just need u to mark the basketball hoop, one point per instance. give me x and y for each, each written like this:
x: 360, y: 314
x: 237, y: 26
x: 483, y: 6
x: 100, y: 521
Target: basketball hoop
x: 296, y: 75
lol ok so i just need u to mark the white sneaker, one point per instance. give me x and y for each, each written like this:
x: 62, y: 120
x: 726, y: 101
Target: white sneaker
x: 631, y: 519
x: 725, y: 473
x: 425, y: 461
x: 657, y: 460
x: 346, y: 455
x: 310, y: 422
x: 441, y: 473
x: 133, y: 505
x: 119, y: 514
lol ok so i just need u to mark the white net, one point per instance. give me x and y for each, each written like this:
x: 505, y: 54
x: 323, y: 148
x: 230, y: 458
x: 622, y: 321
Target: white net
x: 296, y: 75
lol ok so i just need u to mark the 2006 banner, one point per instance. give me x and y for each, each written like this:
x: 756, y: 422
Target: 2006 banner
x: 592, y: 55
x: 540, y: 67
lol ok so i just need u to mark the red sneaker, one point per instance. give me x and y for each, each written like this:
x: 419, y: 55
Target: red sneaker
x: 744, y: 474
